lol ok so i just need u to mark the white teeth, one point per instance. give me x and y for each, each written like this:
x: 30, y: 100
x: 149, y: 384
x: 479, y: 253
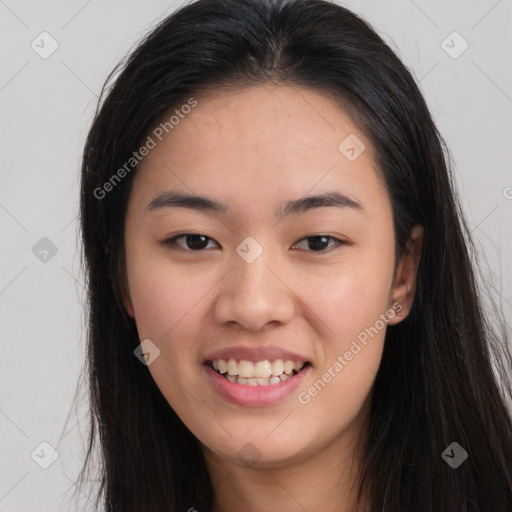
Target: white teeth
x: 288, y: 367
x: 232, y: 367
x: 257, y: 382
x: 246, y: 368
x: 222, y: 366
x: 259, y: 370
x: 261, y: 373
x: 262, y: 369
x: 277, y: 367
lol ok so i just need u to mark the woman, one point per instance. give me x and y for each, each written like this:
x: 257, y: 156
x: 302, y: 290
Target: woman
x: 283, y: 311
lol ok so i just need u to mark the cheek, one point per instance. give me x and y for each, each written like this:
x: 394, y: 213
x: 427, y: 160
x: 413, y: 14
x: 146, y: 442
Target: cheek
x: 351, y: 307
x: 169, y: 309
x: 349, y: 297
x: 163, y: 294
x: 353, y: 339
x: 354, y: 335
x: 172, y: 306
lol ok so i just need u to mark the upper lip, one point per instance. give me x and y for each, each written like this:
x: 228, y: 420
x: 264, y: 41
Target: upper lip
x: 254, y: 354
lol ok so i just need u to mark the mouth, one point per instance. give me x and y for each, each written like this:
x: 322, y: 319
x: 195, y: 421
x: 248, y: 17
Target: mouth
x: 259, y: 373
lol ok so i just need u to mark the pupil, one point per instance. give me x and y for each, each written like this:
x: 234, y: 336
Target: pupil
x: 317, y: 246
x: 196, y: 241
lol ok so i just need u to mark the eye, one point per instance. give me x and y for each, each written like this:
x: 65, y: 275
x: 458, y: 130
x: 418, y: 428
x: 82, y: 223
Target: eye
x: 193, y: 241
x: 198, y: 242
x: 317, y: 243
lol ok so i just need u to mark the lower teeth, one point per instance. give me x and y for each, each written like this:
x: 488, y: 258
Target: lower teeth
x: 256, y: 381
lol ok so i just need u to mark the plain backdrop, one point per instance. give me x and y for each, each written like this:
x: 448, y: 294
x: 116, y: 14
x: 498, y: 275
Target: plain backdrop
x: 46, y: 107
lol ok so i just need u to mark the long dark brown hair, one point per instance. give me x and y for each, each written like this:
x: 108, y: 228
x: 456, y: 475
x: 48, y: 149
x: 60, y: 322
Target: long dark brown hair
x: 445, y: 370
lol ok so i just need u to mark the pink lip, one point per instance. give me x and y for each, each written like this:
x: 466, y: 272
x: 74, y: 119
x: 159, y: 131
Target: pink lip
x: 241, y: 394
x: 255, y: 354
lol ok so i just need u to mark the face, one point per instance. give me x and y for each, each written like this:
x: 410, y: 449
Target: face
x: 260, y: 278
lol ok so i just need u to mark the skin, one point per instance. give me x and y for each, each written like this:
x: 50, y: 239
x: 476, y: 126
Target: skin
x: 254, y: 148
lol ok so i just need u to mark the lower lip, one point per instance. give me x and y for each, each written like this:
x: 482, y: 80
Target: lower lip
x: 242, y: 394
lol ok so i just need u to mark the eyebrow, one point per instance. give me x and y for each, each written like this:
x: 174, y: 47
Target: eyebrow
x: 176, y: 199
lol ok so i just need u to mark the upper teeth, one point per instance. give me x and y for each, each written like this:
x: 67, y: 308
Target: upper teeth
x: 261, y: 369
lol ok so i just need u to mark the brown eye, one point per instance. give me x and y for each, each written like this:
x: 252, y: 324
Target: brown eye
x: 193, y: 242
x: 319, y: 243
x: 199, y: 242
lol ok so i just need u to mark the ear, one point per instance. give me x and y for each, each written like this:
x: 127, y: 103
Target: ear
x: 127, y: 301
x: 404, y: 286
x: 128, y: 306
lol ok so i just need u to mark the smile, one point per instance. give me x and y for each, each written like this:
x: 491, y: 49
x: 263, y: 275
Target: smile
x: 256, y: 391
x: 259, y: 373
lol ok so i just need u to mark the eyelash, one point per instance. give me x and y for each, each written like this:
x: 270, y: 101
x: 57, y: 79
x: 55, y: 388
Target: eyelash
x: 171, y: 242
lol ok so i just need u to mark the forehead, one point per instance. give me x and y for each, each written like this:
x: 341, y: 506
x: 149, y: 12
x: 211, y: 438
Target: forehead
x: 261, y: 144
x: 274, y: 120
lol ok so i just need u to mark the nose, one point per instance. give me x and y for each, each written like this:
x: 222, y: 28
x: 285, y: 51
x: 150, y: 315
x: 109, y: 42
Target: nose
x: 254, y: 294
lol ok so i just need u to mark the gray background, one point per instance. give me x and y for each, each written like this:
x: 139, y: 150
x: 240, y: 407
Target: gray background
x: 46, y: 108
